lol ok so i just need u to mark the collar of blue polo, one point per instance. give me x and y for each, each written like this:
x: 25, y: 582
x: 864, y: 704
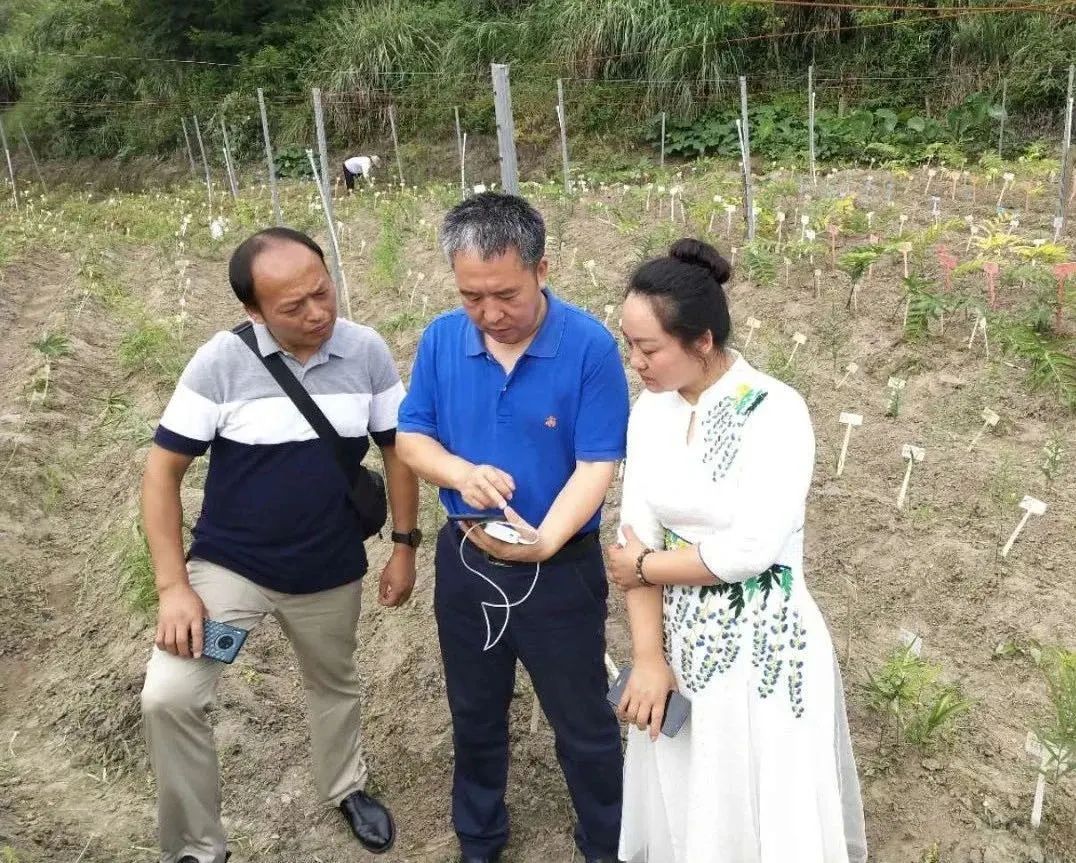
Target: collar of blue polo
x: 546, y: 342
x: 268, y: 345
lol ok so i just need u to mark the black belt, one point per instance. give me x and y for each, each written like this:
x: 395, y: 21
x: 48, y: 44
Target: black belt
x: 573, y: 549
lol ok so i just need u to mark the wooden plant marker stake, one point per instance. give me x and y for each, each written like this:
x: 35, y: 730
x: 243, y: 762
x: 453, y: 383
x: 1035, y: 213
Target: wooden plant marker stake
x: 990, y: 420
x: 956, y: 179
x: 804, y: 219
x: 912, y: 454
x: 1007, y: 179
x: 870, y: 220
x: 425, y: 302
x: 1031, y: 506
x: 589, y: 266
x: 799, y: 339
x: 913, y: 642
x: 788, y: 270
x: 649, y: 190
x: 1058, y: 225
x: 780, y: 228
x: 1038, y: 753
x: 729, y: 210
x: 414, y: 288
x: 931, y: 174
x: 980, y: 324
x: 849, y: 370
x: 904, y: 249
x: 608, y: 311
x: 752, y: 325
x: 935, y: 209
x: 848, y: 421
x: 732, y: 259
x: 974, y: 187
x: 810, y: 239
x: 832, y: 230
x: 818, y: 284
x: 903, y: 219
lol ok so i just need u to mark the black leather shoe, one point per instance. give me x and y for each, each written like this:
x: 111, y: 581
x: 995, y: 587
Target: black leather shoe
x: 602, y: 860
x: 469, y: 858
x: 371, y: 822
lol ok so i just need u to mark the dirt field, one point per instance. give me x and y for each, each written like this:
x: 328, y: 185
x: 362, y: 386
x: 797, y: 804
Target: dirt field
x: 134, y: 292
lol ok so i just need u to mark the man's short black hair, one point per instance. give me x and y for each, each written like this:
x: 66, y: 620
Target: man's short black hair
x: 241, y: 266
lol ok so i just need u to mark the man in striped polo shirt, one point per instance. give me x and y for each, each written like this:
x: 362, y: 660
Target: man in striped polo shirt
x: 277, y: 534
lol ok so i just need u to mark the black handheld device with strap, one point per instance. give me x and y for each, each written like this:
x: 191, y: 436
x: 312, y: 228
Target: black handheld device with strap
x: 366, y: 488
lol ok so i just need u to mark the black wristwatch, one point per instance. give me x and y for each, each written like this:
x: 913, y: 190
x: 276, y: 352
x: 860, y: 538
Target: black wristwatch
x: 412, y: 538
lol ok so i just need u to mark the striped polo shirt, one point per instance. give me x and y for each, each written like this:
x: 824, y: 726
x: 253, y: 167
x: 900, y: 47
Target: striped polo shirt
x: 276, y: 509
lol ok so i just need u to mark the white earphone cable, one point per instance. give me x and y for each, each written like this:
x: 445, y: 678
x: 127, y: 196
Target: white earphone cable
x: 507, y: 605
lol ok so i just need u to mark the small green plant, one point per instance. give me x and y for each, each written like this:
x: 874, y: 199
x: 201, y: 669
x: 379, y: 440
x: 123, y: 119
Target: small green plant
x: 892, y: 408
x: 150, y: 346
x: 51, y: 346
x: 1053, y: 366
x: 1003, y: 485
x: 922, y: 307
x: 1053, y: 458
x: 856, y: 262
x: 834, y: 332
x: 931, y: 855
x: 123, y: 420
x: 385, y: 259
x: 907, y: 692
x: 137, y: 580
x: 402, y: 323
x: 1058, y: 733
x: 938, y: 714
x: 759, y: 264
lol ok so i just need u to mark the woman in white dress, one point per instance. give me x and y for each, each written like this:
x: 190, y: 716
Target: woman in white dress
x: 710, y: 558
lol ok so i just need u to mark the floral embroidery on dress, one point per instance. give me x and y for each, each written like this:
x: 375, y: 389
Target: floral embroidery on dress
x: 705, y: 630
x: 722, y: 426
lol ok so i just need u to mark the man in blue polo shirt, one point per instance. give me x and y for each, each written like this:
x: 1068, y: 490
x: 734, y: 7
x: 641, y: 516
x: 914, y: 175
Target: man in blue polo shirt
x: 518, y: 411
x: 277, y: 534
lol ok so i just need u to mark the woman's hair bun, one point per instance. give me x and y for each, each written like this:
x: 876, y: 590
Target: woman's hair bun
x: 700, y: 254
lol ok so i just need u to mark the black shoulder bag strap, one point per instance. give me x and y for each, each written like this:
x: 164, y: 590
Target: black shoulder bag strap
x: 368, y: 510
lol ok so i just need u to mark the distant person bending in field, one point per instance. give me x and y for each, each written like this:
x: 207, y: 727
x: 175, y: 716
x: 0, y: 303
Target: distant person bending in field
x: 355, y: 165
x: 278, y: 534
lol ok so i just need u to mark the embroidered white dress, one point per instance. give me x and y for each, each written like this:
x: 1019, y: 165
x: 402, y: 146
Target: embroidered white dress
x: 763, y: 771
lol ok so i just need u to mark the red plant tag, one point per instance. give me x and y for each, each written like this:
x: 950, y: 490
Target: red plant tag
x: 947, y: 261
x: 991, y: 269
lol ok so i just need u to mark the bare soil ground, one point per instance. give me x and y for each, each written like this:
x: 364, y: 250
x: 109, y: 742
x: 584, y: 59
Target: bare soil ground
x: 74, y: 783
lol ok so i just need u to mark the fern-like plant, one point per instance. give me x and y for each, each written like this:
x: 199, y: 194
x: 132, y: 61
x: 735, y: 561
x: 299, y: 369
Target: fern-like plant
x: 1053, y: 365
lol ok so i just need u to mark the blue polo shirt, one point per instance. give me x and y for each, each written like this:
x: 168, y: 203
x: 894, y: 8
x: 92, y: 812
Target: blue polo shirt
x: 565, y: 401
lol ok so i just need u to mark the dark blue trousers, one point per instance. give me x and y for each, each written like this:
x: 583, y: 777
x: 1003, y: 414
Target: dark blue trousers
x: 559, y: 636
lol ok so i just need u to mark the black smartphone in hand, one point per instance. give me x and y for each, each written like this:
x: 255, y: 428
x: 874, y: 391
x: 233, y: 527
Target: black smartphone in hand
x: 221, y: 641
x: 677, y: 707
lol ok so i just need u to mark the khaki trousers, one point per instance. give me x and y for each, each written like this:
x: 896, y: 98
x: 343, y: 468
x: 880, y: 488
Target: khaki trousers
x: 177, y: 693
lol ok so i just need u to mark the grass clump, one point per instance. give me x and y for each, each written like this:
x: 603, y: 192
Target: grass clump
x: 917, y: 706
